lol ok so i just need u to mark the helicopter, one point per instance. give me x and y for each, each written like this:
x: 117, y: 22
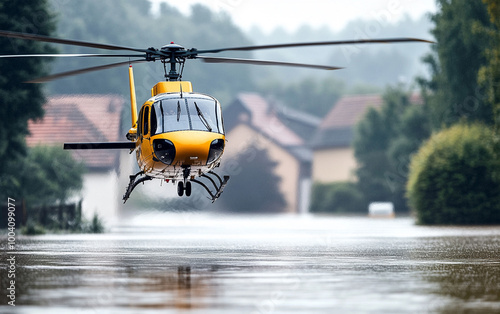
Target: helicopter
x: 178, y: 134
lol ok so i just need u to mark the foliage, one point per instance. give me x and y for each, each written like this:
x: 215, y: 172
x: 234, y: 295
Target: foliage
x: 253, y: 187
x: 453, y: 92
x: 338, y: 197
x: 412, y: 130
x: 61, y: 218
x: 93, y: 226
x: 455, y: 177
x: 33, y: 228
x: 383, y: 142
x: 48, y: 176
x: 20, y: 102
x: 489, y: 74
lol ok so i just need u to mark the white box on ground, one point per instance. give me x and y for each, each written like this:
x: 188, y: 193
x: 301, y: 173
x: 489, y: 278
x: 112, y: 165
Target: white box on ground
x: 381, y: 209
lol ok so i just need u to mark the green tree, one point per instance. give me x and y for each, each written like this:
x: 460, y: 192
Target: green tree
x: 253, y: 187
x: 412, y: 130
x: 48, y: 176
x: 489, y: 74
x: 453, y: 92
x: 455, y: 177
x: 20, y: 102
x: 383, y: 142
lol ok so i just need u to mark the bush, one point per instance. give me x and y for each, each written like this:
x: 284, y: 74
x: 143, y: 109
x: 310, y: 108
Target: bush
x: 94, y: 226
x: 455, y: 177
x: 339, y: 197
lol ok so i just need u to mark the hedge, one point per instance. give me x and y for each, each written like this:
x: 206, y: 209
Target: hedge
x: 338, y: 197
x: 455, y: 177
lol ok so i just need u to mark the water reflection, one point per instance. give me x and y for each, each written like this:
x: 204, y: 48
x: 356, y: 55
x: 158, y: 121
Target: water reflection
x: 169, y: 288
x: 466, y: 270
x: 271, y: 264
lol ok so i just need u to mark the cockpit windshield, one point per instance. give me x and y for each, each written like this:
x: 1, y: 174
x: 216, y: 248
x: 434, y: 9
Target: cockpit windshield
x: 187, y: 113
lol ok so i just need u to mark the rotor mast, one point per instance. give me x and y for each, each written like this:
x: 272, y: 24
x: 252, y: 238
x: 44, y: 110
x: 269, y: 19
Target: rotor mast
x: 173, y: 54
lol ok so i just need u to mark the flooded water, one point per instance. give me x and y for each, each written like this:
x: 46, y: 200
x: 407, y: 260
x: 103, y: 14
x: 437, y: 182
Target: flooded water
x: 201, y: 263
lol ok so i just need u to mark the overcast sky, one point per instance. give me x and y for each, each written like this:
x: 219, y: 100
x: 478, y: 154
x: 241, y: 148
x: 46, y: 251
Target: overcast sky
x: 290, y: 14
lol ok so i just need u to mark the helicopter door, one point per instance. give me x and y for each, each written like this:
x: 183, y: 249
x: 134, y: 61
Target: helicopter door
x: 145, y: 133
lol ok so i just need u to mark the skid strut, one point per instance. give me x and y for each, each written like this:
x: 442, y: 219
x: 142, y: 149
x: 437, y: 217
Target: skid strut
x: 219, y: 186
x: 133, y: 183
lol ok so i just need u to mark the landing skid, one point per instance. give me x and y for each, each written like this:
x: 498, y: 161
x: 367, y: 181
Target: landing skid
x: 133, y: 183
x: 219, y: 186
x: 183, y: 186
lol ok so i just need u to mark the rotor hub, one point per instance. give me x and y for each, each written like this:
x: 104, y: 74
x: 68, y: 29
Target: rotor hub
x: 172, y: 48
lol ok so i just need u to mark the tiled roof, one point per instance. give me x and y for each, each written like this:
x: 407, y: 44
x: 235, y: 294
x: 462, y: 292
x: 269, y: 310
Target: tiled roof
x: 337, y: 129
x: 301, y: 123
x: 81, y: 118
x: 265, y: 119
x: 349, y: 110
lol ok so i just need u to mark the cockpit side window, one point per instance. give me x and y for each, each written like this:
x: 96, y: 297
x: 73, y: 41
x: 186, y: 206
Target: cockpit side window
x: 218, y: 114
x: 139, y: 124
x: 146, y: 120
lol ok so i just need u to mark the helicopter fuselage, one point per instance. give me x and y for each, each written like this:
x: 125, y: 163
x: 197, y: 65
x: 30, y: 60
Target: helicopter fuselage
x: 179, y: 130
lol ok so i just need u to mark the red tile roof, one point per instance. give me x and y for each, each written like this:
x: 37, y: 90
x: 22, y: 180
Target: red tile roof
x: 265, y: 119
x: 349, y: 110
x: 337, y: 129
x: 81, y: 118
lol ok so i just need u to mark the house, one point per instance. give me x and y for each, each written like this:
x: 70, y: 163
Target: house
x: 253, y: 120
x: 333, y: 154
x: 87, y: 118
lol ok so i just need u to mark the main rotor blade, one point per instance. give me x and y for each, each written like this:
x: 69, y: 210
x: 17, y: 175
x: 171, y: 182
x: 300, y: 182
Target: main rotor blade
x: 49, y: 39
x: 81, y: 71
x: 69, y: 55
x: 264, y: 62
x: 320, y: 43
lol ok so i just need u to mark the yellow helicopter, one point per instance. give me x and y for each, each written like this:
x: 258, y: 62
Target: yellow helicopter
x: 178, y: 135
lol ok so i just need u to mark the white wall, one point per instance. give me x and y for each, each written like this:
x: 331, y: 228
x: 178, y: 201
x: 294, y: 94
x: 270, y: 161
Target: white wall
x: 100, y: 195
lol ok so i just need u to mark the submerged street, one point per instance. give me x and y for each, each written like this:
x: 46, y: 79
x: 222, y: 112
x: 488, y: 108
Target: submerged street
x: 205, y: 263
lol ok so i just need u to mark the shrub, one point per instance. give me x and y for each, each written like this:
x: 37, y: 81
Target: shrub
x: 455, y: 177
x: 338, y: 197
